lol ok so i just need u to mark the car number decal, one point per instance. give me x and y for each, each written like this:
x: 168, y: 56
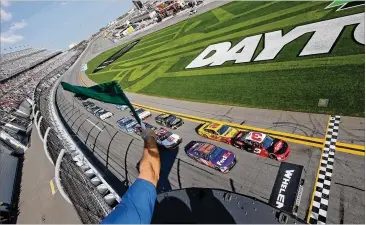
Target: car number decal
x: 257, y: 150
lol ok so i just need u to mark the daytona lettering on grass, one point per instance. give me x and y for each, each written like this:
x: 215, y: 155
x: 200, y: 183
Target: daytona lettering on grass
x: 325, y: 35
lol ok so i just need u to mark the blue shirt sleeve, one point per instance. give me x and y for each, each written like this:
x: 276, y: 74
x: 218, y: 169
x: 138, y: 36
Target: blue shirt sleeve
x: 136, y: 206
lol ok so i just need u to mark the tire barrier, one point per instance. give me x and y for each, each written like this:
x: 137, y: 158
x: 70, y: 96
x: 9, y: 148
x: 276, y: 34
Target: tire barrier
x: 79, y: 182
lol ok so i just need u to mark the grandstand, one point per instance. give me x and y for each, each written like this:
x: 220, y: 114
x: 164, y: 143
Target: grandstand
x: 13, y: 65
x: 20, y: 72
x: 18, y: 54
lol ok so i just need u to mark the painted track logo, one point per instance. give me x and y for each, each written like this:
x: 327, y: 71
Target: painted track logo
x: 344, y: 4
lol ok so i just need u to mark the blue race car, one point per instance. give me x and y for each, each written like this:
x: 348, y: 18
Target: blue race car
x: 127, y: 124
x: 211, y: 155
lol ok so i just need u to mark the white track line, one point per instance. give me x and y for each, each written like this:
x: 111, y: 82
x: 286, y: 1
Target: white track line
x: 94, y: 125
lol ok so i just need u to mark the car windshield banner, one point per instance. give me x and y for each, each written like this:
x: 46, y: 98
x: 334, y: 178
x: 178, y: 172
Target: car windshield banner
x: 285, y: 189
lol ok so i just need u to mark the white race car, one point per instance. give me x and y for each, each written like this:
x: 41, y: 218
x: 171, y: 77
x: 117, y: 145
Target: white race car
x: 104, y: 114
x: 167, y: 138
x: 143, y: 114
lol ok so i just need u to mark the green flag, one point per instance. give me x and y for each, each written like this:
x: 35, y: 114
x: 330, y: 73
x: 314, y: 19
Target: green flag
x: 109, y: 92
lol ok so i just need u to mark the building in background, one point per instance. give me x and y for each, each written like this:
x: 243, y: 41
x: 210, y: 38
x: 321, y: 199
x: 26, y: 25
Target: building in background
x: 138, y: 4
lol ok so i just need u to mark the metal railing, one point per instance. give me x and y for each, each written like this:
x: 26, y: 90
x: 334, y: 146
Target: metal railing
x: 78, y: 178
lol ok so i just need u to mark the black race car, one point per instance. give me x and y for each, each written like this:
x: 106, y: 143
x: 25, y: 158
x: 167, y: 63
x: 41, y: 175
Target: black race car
x: 169, y: 120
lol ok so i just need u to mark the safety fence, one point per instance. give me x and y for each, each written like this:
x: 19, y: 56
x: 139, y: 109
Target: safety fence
x: 76, y: 179
x: 118, y: 153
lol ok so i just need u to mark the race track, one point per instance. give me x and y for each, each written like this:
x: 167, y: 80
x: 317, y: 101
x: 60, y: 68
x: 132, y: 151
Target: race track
x: 252, y: 175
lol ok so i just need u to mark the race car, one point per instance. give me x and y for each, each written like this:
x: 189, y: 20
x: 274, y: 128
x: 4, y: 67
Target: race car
x: 87, y: 104
x: 92, y: 109
x: 82, y: 99
x: 262, y: 145
x: 137, y: 129
x: 142, y: 113
x: 167, y: 138
x: 104, y: 114
x: 127, y: 124
x: 211, y: 155
x: 169, y: 120
x: 218, y: 132
x: 122, y: 107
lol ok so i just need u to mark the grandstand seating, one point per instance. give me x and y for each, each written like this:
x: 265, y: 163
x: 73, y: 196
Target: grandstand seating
x: 20, y: 64
x: 18, y: 54
x: 16, y: 89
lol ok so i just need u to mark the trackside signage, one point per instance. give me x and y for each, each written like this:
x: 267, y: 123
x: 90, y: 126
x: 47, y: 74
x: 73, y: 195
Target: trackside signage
x: 285, y: 189
x: 324, y: 38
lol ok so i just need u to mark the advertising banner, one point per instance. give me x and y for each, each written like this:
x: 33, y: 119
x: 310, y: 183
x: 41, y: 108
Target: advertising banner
x: 285, y: 189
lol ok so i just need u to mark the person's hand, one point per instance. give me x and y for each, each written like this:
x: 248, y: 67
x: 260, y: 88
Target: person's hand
x: 148, y: 134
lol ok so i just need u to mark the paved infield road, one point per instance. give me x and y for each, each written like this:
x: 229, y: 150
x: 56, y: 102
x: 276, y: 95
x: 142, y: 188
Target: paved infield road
x: 254, y: 176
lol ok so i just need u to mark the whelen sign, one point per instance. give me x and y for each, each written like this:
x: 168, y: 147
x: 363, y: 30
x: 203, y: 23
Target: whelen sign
x: 285, y: 189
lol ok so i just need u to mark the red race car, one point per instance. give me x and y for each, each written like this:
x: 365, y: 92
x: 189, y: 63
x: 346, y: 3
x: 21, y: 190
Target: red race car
x: 262, y: 145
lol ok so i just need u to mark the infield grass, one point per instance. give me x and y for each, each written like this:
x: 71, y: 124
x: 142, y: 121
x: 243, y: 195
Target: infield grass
x: 156, y: 65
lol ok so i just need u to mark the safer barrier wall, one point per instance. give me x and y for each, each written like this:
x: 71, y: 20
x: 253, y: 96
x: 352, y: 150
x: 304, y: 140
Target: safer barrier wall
x: 77, y: 178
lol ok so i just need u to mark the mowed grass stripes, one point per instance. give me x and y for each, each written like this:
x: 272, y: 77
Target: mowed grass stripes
x: 156, y: 65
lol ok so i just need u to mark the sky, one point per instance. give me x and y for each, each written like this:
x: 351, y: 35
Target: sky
x: 54, y: 24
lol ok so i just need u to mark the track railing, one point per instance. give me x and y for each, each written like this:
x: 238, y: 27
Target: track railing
x: 79, y: 182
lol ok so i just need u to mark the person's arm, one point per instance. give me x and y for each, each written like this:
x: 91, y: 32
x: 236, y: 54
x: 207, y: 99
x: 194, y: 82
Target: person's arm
x: 150, y: 162
x: 137, y: 204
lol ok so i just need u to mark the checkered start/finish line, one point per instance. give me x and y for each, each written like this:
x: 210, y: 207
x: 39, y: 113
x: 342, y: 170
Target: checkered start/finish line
x: 319, y: 206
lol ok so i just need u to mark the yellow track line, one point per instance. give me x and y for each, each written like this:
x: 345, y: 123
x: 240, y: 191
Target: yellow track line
x: 294, y: 138
x: 52, y: 186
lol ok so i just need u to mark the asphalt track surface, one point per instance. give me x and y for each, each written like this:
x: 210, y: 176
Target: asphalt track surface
x: 37, y: 203
x: 254, y: 176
